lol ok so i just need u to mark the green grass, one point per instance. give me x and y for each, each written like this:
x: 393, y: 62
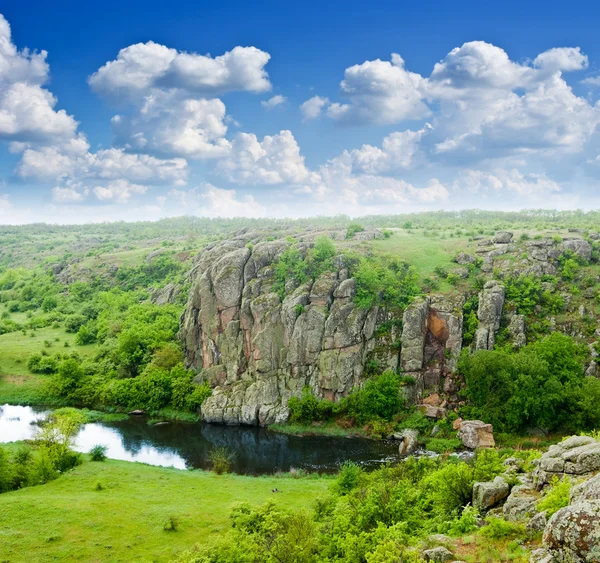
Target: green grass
x: 423, y: 252
x: 24, y: 390
x: 15, y: 348
x: 69, y: 520
x: 322, y: 429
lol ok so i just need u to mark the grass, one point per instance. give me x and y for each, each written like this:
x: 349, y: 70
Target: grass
x: 323, y: 429
x: 15, y: 348
x: 23, y: 390
x: 423, y: 252
x: 71, y: 519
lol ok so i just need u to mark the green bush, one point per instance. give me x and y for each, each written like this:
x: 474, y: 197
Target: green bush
x: 98, y: 452
x: 500, y: 529
x: 348, y: 477
x: 221, y: 459
x: 556, y: 497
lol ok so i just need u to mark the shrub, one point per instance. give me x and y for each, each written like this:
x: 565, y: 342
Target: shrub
x: 221, y: 459
x: 443, y: 445
x: 556, y: 497
x: 171, y: 524
x: 500, y: 529
x: 354, y: 228
x: 308, y: 408
x: 488, y: 464
x: 98, y: 452
x: 348, y: 477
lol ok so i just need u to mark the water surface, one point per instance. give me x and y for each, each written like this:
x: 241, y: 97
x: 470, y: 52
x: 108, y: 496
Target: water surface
x: 184, y: 445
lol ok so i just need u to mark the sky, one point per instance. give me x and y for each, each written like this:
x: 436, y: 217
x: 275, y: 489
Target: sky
x: 137, y: 110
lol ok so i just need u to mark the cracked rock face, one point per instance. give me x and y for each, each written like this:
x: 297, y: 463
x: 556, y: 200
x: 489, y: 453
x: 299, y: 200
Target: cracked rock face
x: 489, y: 313
x: 257, y: 350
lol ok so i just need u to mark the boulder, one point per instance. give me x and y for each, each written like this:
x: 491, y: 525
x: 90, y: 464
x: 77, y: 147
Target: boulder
x: 516, y: 328
x: 537, y: 523
x: 431, y: 411
x: 588, y: 490
x: 437, y: 554
x: 502, y: 237
x: 581, y: 248
x: 541, y: 555
x: 488, y: 494
x: 519, y: 504
x: 413, y: 335
x: 573, y: 533
x: 476, y: 434
x: 576, y: 456
x: 465, y: 259
x: 410, y: 441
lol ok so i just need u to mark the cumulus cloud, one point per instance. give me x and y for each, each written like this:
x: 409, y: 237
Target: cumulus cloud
x: 273, y: 102
x: 51, y: 164
x: 312, y: 108
x: 398, y: 151
x: 169, y: 97
x: 5, y: 204
x: 274, y: 160
x: 118, y: 191
x: 210, y: 201
x: 145, y: 66
x: 27, y: 110
x: 68, y: 194
x: 477, y: 181
x: 167, y: 125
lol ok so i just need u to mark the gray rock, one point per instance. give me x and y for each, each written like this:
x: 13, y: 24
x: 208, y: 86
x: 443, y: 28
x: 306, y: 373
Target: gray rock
x: 502, y: 237
x: 516, y: 329
x: 465, y: 259
x: 541, y: 555
x: 437, y: 555
x: 476, y: 434
x: 489, y: 313
x: 587, y: 490
x: 410, y: 441
x: 581, y: 248
x: 166, y: 294
x: 573, y: 533
x: 413, y: 335
x: 519, y: 504
x: 537, y: 523
x: 575, y: 456
x: 489, y: 493
x: 462, y: 273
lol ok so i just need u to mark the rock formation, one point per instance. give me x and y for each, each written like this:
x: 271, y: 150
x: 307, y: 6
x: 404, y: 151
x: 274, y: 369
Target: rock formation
x: 257, y: 350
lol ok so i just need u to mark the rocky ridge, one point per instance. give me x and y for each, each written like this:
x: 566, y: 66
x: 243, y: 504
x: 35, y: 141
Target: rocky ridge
x: 256, y: 350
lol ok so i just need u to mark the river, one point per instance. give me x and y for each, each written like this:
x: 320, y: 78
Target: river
x: 183, y: 445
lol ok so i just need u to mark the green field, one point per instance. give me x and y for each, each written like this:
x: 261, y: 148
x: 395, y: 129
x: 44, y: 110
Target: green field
x: 70, y: 520
x: 15, y: 348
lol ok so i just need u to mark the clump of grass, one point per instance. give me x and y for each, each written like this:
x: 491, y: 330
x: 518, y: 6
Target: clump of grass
x: 221, y: 459
x: 171, y: 524
x: 98, y: 452
x: 99, y: 486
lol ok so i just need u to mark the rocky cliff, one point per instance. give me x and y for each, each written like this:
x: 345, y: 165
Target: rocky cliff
x: 257, y: 349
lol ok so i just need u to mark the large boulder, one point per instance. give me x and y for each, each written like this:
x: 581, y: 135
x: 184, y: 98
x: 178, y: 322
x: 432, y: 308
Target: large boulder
x: 488, y: 494
x: 476, y: 434
x: 576, y: 456
x: 573, y: 533
x: 502, y: 237
x: 465, y: 259
x: 581, y: 248
x: 437, y: 555
x: 519, y: 504
x: 410, y: 441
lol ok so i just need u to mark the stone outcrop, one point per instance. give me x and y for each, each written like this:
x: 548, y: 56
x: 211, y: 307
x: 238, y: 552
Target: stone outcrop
x: 573, y: 533
x: 476, y: 434
x: 257, y: 350
x: 516, y: 328
x: 437, y: 555
x: 489, y: 313
x: 577, y: 456
x: 166, y: 294
x: 488, y: 494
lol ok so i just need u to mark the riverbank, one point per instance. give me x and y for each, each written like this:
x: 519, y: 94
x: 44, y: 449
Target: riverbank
x: 72, y: 518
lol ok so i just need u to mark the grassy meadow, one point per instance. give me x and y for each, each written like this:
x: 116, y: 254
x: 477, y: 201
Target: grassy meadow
x: 116, y: 511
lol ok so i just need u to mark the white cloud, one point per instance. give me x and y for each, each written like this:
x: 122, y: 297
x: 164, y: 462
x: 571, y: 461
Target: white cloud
x: 313, y: 107
x: 398, y: 151
x: 145, y: 66
x: 273, y: 102
x: 274, y: 160
x: 118, y: 191
x: 210, y: 201
x: 168, y: 125
x: 591, y: 81
x: 477, y: 181
x: 561, y: 58
x: 380, y: 92
x: 49, y: 163
x: 67, y: 194
x: 27, y: 111
x: 5, y: 204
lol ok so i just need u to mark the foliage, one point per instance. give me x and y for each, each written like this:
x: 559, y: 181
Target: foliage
x: 354, y: 228
x: 390, y: 281
x: 221, y: 459
x: 98, y: 452
x: 524, y: 291
x: 348, y: 477
x: 500, y: 529
x: 308, y: 408
x: 556, y: 497
x: 541, y: 385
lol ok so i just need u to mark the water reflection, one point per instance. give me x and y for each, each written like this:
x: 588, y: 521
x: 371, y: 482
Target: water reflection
x: 257, y: 450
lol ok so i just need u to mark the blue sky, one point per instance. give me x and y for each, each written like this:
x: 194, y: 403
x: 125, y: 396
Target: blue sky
x: 140, y: 110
